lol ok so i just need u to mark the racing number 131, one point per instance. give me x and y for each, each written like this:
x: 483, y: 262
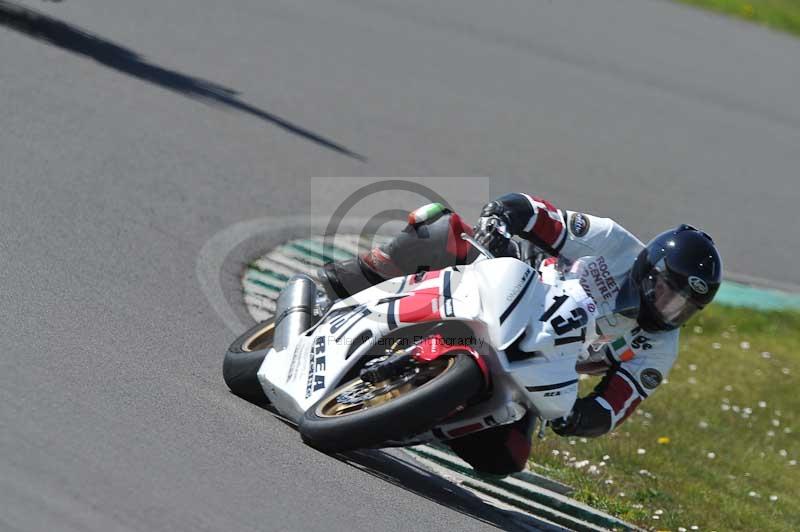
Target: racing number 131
x: 562, y: 325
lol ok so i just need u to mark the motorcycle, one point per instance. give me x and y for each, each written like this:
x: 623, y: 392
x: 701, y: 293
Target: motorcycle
x: 420, y: 358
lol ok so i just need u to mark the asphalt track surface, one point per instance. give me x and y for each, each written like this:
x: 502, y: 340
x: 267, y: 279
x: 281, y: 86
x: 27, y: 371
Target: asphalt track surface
x: 132, y: 133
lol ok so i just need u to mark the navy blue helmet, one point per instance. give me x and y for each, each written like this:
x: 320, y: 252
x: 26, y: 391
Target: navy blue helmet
x: 677, y: 274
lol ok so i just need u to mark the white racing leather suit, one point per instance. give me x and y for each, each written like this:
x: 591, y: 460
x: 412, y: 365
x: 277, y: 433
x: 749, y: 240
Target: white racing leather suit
x: 634, y: 362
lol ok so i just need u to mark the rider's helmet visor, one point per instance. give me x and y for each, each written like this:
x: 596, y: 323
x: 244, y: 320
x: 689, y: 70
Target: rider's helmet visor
x: 673, y: 305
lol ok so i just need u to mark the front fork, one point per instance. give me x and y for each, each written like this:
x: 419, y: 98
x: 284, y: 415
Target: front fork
x: 425, y: 352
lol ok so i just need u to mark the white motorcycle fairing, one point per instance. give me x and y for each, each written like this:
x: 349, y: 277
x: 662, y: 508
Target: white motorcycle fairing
x: 529, y: 332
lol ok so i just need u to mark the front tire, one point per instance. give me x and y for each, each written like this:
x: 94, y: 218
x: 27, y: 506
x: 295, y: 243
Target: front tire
x: 359, y: 414
x: 244, y: 358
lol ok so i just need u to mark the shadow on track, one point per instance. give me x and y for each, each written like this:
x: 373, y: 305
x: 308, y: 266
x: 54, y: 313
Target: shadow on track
x: 403, y: 472
x: 73, y: 39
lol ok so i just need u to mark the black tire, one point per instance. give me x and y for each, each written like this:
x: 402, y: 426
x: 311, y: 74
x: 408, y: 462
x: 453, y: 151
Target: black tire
x: 411, y: 413
x: 244, y: 357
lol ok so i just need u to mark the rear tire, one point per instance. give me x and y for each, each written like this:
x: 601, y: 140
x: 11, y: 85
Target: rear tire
x: 244, y: 358
x: 399, y: 416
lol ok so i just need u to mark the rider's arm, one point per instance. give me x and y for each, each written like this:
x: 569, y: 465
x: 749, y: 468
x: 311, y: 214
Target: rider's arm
x: 559, y: 232
x: 531, y: 218
x: 634, y: 374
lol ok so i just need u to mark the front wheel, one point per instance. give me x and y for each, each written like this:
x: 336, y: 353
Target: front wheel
x: 244, y: 358
x: 361, y: 414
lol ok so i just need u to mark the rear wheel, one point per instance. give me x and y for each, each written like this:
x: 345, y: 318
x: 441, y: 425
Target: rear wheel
x: 244, y: 358
x: 361, y: 414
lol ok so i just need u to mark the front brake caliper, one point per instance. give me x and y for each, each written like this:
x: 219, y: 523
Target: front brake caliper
x: 387, y: 369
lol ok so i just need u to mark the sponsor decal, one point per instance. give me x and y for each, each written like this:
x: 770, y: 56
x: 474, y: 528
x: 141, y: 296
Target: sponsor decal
x: 641, y: 342
x: 514, y: 291
x: 698, y: 285
x: 578, y: 224
x: 650, y: 378
x: 294, y: 365
x: 597, y: 281
x: 448, y: 308
x: 316, y: 367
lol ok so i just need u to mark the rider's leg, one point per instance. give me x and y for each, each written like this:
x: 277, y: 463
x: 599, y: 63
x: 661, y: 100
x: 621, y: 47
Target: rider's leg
x: 430, y: 241
x: 499, y: 451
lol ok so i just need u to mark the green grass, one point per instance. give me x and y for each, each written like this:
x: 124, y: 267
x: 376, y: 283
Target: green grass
x: 730, y: 360
x: 779, y: 14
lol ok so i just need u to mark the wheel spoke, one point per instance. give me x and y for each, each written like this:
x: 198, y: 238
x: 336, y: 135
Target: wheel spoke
x: 358, y: 395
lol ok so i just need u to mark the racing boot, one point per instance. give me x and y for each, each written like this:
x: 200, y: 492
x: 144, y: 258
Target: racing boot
x: 431, y: 240
x: 343, y: 278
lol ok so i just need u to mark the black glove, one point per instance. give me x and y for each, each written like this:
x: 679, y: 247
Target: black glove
x: 587, y: 418
x: 492, y: 229
x: 567, y: 425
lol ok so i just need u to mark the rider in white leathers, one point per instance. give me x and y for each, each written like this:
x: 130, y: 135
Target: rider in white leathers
x: 644, y: 291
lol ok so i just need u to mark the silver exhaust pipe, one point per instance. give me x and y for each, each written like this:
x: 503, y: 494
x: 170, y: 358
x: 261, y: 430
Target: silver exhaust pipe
x: 295, y: 310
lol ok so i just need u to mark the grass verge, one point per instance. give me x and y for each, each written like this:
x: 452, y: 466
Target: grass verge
x: 779, y: 14
x: 716, y: 447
